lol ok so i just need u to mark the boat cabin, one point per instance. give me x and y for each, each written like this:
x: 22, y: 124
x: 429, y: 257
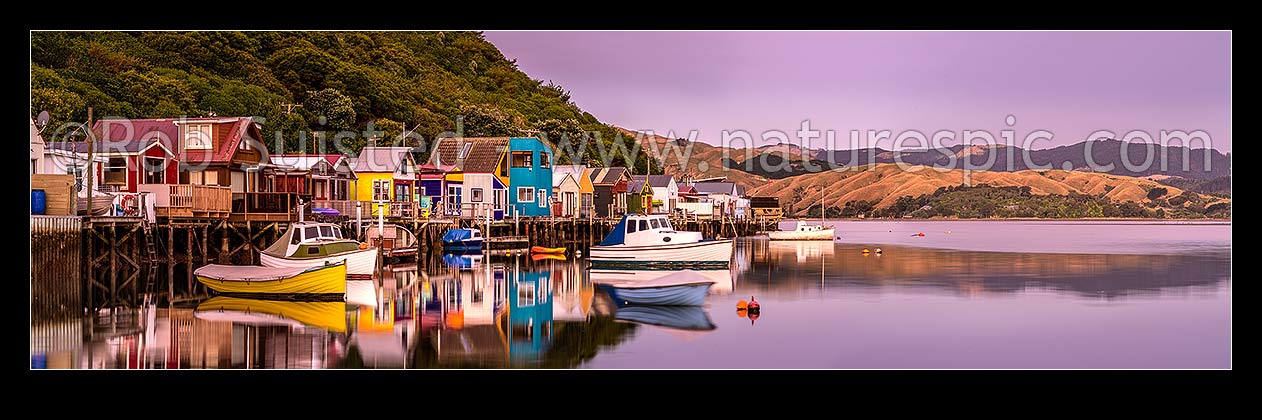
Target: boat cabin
x: 645, y: 230
x: 311, y: 239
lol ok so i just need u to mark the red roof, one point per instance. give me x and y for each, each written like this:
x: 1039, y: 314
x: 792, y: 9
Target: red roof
x: 135, y: 134
x: 122, y: 131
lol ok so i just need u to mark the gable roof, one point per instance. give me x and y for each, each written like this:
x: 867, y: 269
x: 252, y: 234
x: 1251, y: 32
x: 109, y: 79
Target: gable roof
x: 484, y: 154
x: 635, y: 186
x: 558, y: 178
x: 608, y: 176
x: 305, y: 162
x: 381, y: 159
x: 657, y: 181
x: 686, y: 189
x: 715, y: 188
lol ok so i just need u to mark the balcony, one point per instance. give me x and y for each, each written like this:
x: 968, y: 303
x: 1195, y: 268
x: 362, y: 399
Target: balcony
x: 267, y: 206
x: 189, y: 201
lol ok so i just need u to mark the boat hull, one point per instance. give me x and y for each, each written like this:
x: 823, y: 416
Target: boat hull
x: 361, y: 262
x: 714, y: 253
x: 463, y: 245
x: 683, y: 295
x: 330, y: 280
x: 793, y: 235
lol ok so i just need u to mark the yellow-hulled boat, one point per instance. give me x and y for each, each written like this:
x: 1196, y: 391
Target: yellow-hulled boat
x: 329, y: 316
x: 325, y: 279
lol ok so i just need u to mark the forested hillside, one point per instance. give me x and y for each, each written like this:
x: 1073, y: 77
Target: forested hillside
x: 316, y: 83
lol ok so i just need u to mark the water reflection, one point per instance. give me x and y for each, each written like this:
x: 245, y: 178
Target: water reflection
x: 510, y: 311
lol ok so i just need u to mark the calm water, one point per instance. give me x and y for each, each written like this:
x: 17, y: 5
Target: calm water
x: 965, y: 295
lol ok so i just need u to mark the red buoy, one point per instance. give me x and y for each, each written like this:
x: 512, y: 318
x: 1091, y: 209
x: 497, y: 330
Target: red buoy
x: 753, y: 305
x: 921, y: 234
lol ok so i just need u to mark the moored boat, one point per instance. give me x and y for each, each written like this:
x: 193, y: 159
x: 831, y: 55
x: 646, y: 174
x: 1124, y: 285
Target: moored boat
x: 649, y: 241
x: 686, y: 288
x: 462, y: 239
x: 252, y: 279
x: 395, y: 241
x: 803, y: 232
x: 313, y: 244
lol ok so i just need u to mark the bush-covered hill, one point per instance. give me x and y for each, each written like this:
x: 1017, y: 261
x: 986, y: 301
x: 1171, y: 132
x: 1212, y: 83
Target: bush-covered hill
x: 415, y: 81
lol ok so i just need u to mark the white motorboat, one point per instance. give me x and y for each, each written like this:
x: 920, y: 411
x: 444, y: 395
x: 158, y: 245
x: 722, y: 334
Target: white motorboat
x: 650, y: 241
x: 803, y: 232
x: 313, y: 244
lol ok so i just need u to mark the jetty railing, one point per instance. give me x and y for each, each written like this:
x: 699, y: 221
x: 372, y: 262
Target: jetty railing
x: 186, y: 200
x: 267, y: 206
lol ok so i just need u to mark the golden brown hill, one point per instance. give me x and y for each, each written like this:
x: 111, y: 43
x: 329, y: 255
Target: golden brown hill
x: 885, y: 183
x: 701, y: 160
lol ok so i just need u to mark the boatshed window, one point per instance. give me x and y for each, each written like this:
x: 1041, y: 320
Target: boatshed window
x: 545, y: 160
x: 525, y: 194
x: 197, y: 136
x: 475, y: 194
x: 521, y: 159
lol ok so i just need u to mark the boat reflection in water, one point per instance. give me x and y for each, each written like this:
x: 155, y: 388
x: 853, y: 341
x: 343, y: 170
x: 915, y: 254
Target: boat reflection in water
x: 723, y: 279
x: 329, y: 316
x: 687, y: 322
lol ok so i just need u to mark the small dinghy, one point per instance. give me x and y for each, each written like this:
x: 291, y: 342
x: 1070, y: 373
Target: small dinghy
x: 329, y: 279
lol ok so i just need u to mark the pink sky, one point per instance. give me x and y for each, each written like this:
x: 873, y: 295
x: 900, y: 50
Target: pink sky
x: 1070, y: 83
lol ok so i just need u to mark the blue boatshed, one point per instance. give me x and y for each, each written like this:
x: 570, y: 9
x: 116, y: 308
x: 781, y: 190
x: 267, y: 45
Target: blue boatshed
x: 530, y: 163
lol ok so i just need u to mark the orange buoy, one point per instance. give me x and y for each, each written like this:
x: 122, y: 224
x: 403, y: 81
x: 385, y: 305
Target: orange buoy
x: 741, y: 304
x: 741, y: 313
x: 753, y: 306
x: 865, y: 251
x: 363, y: 245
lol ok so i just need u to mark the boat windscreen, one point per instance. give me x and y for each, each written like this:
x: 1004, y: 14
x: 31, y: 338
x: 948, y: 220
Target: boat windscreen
x: 326, y: 231
x: 310, y: 232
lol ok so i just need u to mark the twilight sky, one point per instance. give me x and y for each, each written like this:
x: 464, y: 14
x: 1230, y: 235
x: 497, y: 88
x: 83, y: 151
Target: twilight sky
x: 1070, y: 83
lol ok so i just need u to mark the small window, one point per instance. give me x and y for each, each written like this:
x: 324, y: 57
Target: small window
x: 655, y: 223
x: 337, y: 232
x: 311, y: 232
x: 644, y: 224
x: 666, y: 224
x: 326, y: 231
x: 464, y: 151
x: 313, y: 250
x: 630, y: 226
x: 475, y: 195
x: 525, y: 194
x: 543, y: 198
x: 544, y: 160
x: 296, y: 238
x: 521, y: 159
x: 197, y: 136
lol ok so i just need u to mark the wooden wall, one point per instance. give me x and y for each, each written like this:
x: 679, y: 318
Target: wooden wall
x: 59, y: 193
x: 56, y: 252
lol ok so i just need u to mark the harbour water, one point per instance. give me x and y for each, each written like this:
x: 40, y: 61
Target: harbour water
x: 967, y: 294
